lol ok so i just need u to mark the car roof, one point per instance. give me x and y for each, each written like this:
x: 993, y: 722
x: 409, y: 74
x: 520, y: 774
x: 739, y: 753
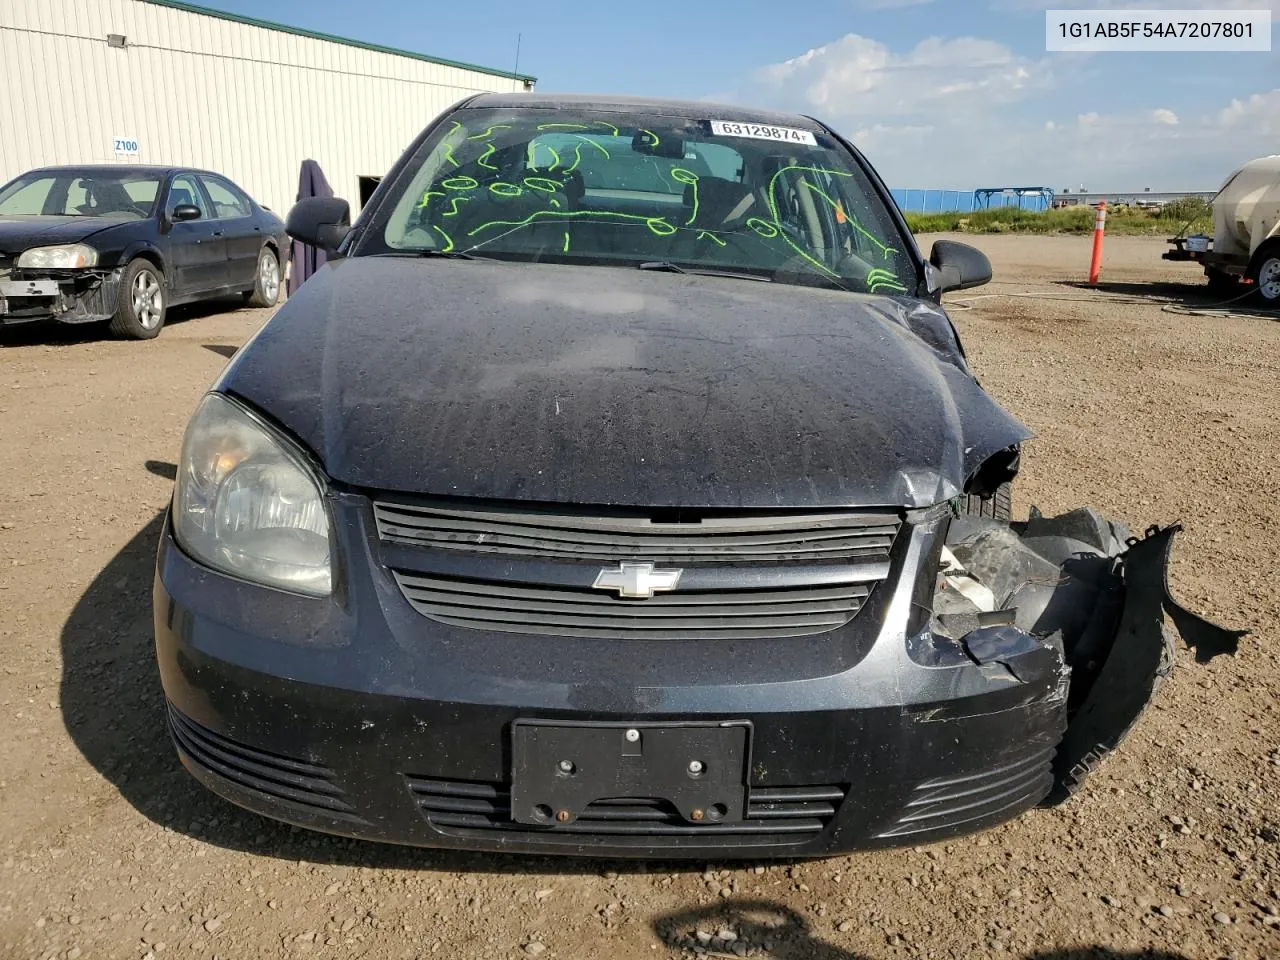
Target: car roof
x: 690, y: 109
x: 155, y: 171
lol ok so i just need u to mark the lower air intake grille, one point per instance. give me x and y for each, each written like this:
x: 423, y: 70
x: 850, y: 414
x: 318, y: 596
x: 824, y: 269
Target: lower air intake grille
x: 949, y: 803
x: 307, y: 785
x: 774, y: 814
x: 485, y: 605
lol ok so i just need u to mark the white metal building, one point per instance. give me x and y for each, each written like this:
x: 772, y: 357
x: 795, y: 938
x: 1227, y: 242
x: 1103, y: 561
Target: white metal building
x: 167, y: 82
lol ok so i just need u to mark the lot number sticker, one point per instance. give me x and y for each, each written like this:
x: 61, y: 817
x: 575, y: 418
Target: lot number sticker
x: 758, y: 131
x: 126, y: 146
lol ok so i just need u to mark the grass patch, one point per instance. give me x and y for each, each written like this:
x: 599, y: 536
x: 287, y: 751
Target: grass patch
x: 1131, y: 221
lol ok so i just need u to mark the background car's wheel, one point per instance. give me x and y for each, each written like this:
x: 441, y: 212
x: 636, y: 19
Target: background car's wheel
x: 998, y: 506
x: 266, y: 285
x: 142, y: 303
x: 1265, y: 273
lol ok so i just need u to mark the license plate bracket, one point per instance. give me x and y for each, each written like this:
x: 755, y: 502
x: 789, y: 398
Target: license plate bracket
x: 28, y: 288
x: 558, y: 768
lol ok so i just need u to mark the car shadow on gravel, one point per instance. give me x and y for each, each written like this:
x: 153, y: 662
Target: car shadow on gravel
x: 66, y: 334
x: 113, y: 708
x: 759, y: 927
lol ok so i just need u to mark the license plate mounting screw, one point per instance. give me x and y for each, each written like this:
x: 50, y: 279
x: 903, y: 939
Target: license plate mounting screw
x: 696, y: 815
x: 632, y: 735
x: 566, y: 766
x: 696, y: 767
x: 563, y: 815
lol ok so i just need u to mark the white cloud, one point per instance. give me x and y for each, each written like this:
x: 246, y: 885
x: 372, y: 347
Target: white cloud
x: 858, y: 77
x: 1260, y: 114
x: 967, y: 111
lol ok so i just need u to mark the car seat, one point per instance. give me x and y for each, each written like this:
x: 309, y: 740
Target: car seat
x: 714, y: 220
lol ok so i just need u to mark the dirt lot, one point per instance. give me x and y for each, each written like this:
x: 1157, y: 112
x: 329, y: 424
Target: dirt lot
x: 109, y: 849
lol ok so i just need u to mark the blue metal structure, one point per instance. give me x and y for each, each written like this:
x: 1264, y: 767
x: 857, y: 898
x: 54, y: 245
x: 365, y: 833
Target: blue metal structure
x: 1024, y: 198
x: 964, y: 201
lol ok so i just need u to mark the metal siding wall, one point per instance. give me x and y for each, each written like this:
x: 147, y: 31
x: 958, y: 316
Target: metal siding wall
x: 194, y: 90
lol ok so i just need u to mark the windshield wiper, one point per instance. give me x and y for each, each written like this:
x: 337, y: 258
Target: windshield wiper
x: 453, y: 255
x: 666, y: 266
x: 446, y: 254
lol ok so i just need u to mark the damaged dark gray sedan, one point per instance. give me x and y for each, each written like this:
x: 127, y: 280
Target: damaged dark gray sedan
x: 621, y: 488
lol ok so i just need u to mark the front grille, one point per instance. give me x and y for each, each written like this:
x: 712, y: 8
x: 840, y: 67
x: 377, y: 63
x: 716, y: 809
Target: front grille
x: 777, y: 814
x: 692, y: 615
x: 599, y: 535
x: 948, y: 803
x: 298, y: 782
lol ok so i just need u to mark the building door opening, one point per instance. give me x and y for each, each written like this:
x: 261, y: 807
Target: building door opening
x: 367, y: 186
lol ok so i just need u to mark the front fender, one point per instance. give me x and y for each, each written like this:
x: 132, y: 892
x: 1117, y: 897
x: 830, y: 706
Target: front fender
x: 150, y: 250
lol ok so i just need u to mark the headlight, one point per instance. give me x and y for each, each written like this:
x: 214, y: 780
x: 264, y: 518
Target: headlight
x: 247, y: 502
x: 70, y: 257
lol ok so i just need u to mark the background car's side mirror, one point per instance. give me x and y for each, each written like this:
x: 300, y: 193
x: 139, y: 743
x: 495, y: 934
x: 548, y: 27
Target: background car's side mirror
x: 320, y: 222
x: 185, y: 211
x: 958, y: 266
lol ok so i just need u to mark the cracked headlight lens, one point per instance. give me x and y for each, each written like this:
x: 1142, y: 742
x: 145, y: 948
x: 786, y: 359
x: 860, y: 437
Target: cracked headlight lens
x: 248, y: 503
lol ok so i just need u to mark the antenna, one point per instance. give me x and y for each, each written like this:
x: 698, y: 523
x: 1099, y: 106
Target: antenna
x: 515, y: 73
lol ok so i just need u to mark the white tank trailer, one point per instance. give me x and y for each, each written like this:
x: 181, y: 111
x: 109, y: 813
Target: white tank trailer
x: 1245, y: 245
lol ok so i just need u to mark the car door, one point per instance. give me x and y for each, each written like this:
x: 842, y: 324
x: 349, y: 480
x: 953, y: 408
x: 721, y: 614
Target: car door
x: 239, y: 226
x: 197, y: 248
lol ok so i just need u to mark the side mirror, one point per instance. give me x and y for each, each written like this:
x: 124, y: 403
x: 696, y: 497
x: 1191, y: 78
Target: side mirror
x: 319, y: 222
x: 958, y: 266
x: 184, y: 212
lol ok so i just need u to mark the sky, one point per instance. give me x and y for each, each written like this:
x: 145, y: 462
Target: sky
x: 952, y: 94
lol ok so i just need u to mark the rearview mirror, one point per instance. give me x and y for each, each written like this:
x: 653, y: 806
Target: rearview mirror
x: 185, y: 211
x: 958, y: 266
x: 320, y: 222
x: 670, y: 146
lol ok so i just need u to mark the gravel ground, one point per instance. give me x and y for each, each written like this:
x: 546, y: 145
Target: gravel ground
x: 109, y: 849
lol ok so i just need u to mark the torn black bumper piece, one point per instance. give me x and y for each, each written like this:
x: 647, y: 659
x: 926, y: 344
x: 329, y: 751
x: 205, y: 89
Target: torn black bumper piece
x: 1081, y: 597
x: 86, y: 298
x: 915, y: 722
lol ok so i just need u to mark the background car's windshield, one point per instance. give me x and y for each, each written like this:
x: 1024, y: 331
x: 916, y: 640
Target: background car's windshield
x: 783, y: 203
x: 80, y: 194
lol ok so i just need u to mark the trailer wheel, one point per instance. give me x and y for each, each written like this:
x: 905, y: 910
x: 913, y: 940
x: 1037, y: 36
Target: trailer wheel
x: 1265, y: 274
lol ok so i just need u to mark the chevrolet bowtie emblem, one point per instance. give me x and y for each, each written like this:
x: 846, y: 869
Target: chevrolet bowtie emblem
x: 637, y: 580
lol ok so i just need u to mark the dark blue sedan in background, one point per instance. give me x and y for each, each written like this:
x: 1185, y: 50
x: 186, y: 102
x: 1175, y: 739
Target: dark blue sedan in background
x: 123, y: 243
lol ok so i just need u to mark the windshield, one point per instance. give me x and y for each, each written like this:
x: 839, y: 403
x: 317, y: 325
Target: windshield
x: 785, y: 204
x: 80, y: 193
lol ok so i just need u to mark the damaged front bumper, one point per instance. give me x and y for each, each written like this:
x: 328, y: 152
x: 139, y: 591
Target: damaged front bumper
x: 927, y: 716
x: 81, y: 297
x: 1075, y: 597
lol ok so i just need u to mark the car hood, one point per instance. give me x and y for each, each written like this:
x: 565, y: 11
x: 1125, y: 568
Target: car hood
x: 602, y: 385
x: 22, y: 233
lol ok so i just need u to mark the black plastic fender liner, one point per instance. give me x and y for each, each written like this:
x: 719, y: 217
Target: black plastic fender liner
x: 1140, y: 658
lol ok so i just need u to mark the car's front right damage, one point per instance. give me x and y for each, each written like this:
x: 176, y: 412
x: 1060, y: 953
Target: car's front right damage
x: 1071, y: 608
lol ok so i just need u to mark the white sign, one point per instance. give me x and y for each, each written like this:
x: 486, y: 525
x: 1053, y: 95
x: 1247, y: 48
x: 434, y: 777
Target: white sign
x: 1157, y: 30
x: 125, y: 146
x: 760, y: 131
